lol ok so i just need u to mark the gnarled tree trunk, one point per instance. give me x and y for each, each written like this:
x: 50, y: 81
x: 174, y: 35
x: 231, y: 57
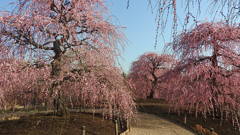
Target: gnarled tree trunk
x: 57, y: 65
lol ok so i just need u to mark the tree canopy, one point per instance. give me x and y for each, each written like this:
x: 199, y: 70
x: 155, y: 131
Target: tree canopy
x: 77, y: 44
x: 146, y: 72
x: 207, y: 78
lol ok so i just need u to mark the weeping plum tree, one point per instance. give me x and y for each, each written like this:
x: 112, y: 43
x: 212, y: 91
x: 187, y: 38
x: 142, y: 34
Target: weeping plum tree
x: 95, y: 81
x: 207, y: 78
x: 146, y: 71
x: 180, y: 14
x: 21, y: 83
x: 56, y: 26
x: 53, y: 30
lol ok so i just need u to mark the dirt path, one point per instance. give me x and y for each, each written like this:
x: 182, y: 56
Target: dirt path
x: 148, y: 124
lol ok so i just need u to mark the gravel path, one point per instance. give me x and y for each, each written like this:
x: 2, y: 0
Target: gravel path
x: 147, y: 124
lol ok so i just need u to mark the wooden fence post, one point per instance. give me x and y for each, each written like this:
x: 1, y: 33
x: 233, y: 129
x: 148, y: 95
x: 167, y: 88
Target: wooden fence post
x: 128, y: 125
x: 116, y: 127
x: 83, y: 130
x: 185, y: 118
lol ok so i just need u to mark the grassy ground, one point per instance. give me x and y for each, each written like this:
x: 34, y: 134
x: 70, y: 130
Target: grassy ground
x: 47, y: 124
x: 158, y: 107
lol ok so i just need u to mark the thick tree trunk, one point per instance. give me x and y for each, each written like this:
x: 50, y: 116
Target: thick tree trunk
x: 57, y: 60
x: 152, y: 92
x: 154, y: 84
x: 214, y: 82
x: 56, y: 72
x: 150, y: 96
x: 56, y: 67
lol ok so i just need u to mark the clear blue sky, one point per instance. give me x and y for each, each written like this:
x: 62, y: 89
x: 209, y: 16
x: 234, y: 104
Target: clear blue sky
x: 140, y: 27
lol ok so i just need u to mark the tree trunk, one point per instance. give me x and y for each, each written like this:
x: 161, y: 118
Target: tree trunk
x: 152, y: 92
x: 150, y: 96
x: 56, y: 72
x: 214, y: 82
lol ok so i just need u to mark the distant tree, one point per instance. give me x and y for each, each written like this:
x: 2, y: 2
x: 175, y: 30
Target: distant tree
x: 22, y: 84
x: 146, y: 71
x: 207, y: 78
